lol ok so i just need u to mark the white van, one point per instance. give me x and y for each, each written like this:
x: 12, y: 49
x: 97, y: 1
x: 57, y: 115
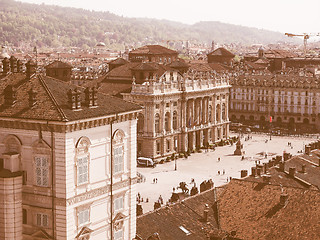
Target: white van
x: 145, y: 162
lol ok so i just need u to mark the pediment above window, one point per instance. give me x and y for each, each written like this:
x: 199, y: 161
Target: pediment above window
x: 41, y: 235
x: 84, y: 232
x: 118, y: 221
x: 118, y: 136
x: 83, y: 144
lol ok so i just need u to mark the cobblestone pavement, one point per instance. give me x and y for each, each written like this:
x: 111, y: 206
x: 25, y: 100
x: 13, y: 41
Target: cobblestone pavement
x: 205, y: 165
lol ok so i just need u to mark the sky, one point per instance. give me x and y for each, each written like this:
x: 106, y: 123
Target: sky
x: 293, y: 16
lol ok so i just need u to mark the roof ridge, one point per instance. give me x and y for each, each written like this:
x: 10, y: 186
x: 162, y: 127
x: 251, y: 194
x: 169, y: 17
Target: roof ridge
x: 55, y: 103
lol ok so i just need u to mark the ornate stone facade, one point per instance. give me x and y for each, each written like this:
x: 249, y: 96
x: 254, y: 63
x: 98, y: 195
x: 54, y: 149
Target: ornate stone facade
x: 182, y: 111
x: 291, y: 99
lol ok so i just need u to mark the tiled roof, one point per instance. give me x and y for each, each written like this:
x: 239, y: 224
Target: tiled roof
x: 188, y: 214
x: 207, y: 67
x: 58, y: 64
x: 118, y: 61
x: 52, y: 100
x: 153, y: 49
x: 221, y: 52
x: 252, y: 210
x: 178, y: 64
x: 277, y: 53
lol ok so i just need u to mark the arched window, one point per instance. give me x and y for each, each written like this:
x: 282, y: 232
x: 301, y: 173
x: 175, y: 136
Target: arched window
x: 42, y: 163
x: 167, y: 122
x: 118, y: 152
x: 223, y: 112
x: 218, y: 113
x: 82, y: 160
x: 157, y: 123
x: 175, y: 120
x: 140, y: 123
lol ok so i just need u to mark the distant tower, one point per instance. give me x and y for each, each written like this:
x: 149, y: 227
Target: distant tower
x: 212, y: 46
x: 260, y: 52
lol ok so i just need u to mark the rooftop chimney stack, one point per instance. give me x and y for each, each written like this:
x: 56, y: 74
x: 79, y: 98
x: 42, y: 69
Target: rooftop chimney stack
x: 91, y: 97
x: 31, y: 68
x: 307, y: 149
x: 6, y: 66
x: 292, y: 171
x: 253, y: 172
x: 13, y: 64
x: 281, y: 166
x: 283, y: 199
x: 74, y: 99
x: 19, y: 66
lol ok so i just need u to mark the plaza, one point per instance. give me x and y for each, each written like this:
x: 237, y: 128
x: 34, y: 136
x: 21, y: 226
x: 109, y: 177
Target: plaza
x: 205, y: 166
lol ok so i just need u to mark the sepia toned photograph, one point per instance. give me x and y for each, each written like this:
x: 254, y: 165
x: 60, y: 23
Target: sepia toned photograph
x: 159, y: 120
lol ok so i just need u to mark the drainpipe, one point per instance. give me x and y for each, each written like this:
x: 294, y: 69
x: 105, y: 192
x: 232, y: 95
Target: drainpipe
x: 52, y: 181
x: 111, y: 175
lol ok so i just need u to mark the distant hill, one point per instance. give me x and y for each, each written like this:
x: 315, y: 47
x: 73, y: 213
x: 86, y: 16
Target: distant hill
x: 53, y: 26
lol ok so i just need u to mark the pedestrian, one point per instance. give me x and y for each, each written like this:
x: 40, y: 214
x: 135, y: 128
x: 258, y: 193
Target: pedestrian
x: 218, y: 172
x: 219, y: 159
x: 173, y: 189
x: 156, y: 180
x: 147, y: 199
x: 223, y: 172
x: 139, y: 196
x: 160, y: 199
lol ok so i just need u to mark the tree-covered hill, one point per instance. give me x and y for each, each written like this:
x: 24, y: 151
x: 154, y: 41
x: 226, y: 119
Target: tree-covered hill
x: 53, y: 26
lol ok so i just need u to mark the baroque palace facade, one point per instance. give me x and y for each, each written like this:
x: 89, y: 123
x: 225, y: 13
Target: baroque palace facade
x: 68, y: 160
x: 291, y: 99
x: 185, y: 105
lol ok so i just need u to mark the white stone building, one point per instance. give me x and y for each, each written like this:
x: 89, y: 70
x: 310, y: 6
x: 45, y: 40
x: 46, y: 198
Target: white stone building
x: 68, y: 161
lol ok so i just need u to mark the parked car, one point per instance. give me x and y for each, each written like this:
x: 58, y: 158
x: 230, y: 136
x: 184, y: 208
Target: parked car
x: 145, y: 162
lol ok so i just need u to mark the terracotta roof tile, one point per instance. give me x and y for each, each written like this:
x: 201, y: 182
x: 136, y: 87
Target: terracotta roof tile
x: 58, y: 64
x: 153, y: 49
x: 51, y: 100
x: 253, y: 211
x: 221, y: 52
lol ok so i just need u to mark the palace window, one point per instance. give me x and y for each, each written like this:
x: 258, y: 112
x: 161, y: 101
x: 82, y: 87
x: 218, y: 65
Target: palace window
x: 42, y: 171
x: 157, y: 123
x: 117, y: 159
x: 82, y: 160
x: 158, y: 147
x: 118, y: 151
x: 42, y: 220
x: 83, y: 216
x: 174, y: 121
x: 118, y: 235
x: 140, y: 123
x: 167, y: 122
x: 168, y: 145
x: 118, y: 204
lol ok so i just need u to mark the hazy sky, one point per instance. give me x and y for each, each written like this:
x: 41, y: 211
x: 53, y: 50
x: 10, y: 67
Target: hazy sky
x: 296, y: 16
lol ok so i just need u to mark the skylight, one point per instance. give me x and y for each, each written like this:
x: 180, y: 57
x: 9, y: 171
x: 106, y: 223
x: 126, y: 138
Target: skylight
x: 185, y: 230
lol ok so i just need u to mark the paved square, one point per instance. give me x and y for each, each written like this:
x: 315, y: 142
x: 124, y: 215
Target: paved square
x: 205, y: 165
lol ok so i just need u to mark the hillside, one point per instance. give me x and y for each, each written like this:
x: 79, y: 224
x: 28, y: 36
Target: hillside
x: 53, y: 26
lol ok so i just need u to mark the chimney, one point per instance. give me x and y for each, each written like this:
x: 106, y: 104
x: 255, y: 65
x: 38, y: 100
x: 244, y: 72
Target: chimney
x: 307, y: 149
x: 259, y: 171
x: 281, y: 166
x: 283, y: 199
x: 292, y: 171
x: 253, y: 171
x: 9, y: 96
x: 286, y: 156
x: 74, y: 100
x: 32, y: 97
x: 206, y: 212
x: 6, y: 66
x: 13, y: 64
x: 244, y: 173
x: 19, y: 66
x: 278, y: 159
x: 265, y: 167
x: 31, y: 68
x: 91, y: 97
x: 303, y: 168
